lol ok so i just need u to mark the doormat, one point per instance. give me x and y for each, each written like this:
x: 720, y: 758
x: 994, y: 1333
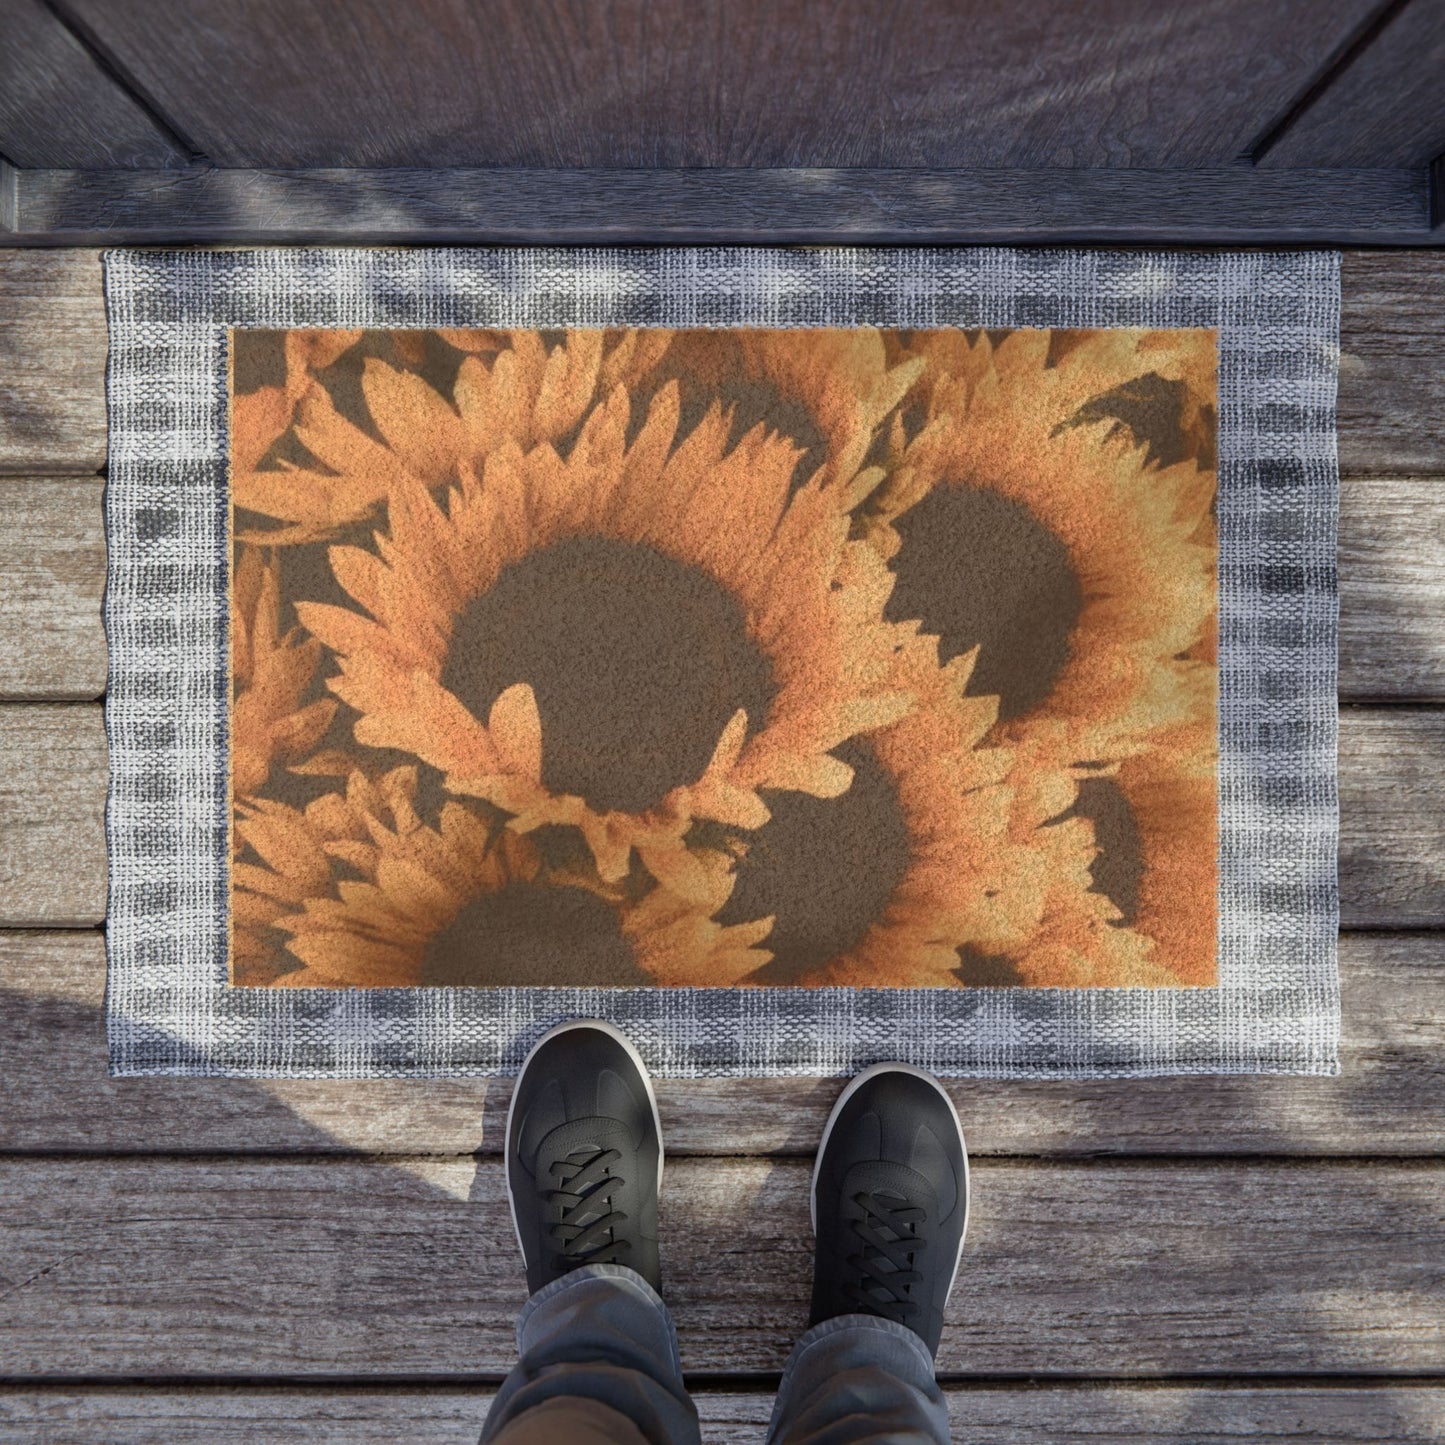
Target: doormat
x: 799, y: 657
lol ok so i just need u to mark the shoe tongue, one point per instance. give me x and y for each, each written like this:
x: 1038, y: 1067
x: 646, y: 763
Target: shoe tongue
x: 584, y: 1136
x: 881, y: 1176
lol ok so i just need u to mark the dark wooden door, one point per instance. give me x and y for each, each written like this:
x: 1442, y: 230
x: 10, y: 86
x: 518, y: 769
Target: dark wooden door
x: 690, y: 119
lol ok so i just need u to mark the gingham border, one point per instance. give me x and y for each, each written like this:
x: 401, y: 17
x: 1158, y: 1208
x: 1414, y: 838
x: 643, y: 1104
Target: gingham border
x: 169, y: 1007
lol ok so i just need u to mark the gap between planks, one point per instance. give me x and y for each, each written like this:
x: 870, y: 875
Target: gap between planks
x: 1391, y: 557
x: 1389, y: 1098
x: 1304, y: 1413
x: 269, y: 1268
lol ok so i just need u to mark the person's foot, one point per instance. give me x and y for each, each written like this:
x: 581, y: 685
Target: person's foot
x: 584, y: 1155
x: 890, y: 1201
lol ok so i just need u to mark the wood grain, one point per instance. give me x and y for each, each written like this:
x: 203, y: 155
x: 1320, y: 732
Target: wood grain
x: 52, y: 575
x: 1216, y: 206
x: 52, y: 858
x: 1392, y: 588
x: 1207, y: 1413
x: 1392, y: 363
x: 1383, y: 108
x: 704, y: 83
x: 1389, y: 1099
x: 1392, y: 819
x: 53, y: 770
x: 59, y: 108
x: 53, y: 345
x: 244, y: 1269
x: 52, y: 362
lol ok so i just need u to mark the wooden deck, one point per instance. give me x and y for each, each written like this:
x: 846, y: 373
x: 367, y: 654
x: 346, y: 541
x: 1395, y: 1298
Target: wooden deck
x: 1241, y: 1260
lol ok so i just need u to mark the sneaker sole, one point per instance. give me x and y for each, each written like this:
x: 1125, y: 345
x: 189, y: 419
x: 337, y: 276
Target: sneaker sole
x: 853, y: 1087
x: 602, y: 1026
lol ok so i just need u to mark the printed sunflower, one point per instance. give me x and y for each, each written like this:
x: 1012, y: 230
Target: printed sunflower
x: 1092, y: 593
x: 510, y: 388
x: 882, y: 887
x: 262, y: 417
x: 1075, y: 883
x: 829, y: 392
x: 271, y: 724
x: 1167, y: 401
x: 469, y: 904
x: 281, y: 857
x: 1092, y: 584
x: 1170, y: 793
x: 634, y: 635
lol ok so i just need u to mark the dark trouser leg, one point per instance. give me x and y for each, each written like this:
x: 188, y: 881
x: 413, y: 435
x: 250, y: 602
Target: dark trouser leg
x: 598, y: 1366
x: 858, y: 1380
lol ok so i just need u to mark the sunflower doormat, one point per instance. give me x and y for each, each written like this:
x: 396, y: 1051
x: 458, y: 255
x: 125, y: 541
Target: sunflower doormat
x: 801, y: 658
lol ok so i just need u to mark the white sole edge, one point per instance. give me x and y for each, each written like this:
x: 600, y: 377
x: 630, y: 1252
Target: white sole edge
x: 612, y: 1032
x: 854, y: 1085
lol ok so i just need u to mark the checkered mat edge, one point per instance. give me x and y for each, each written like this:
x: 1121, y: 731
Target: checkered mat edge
x: 170, y: 1009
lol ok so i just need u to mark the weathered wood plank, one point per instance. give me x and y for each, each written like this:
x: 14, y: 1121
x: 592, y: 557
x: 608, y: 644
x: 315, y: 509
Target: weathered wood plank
x: 712, y: 84
x: 1392, y: 588
x: 53, y: 344
x: 1389, y: 1099
x: 59, y: 108
x: 1392, y: 818
x: 53, y: 770
x: 1383, y: 108
x: 1224, y: 205
x: 52, y: 362
x: 240, y: 1270
x: 1051, y: 1414
x: 52, y: 575
x: 52, y: 859
x: 1392, y: 362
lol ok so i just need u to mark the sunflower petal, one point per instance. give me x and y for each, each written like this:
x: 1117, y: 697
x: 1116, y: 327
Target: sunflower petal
x: 822, y: 776
x: 516, y: 729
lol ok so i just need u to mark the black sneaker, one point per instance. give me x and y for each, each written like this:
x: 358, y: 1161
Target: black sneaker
x: 890, y: 1201
x: 584, y: 1155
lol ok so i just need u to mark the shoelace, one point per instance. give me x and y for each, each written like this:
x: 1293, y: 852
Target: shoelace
x: 585, y: 1228
x: 888, y: 1230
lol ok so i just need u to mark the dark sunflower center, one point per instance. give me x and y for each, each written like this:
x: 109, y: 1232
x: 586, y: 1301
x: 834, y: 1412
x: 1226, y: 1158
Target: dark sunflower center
x: 1151, y: 409
x: 1119, y: 864
x: 824, y: 867
x: 709, y: 368
x: 528, y: 935
x: 637, y: 661
x: 978, y: 570
x: 754, y: 401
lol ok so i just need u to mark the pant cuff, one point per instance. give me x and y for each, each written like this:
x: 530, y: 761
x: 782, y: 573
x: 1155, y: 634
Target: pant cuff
x: 625, y: 1279
x: 862, y: 1324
